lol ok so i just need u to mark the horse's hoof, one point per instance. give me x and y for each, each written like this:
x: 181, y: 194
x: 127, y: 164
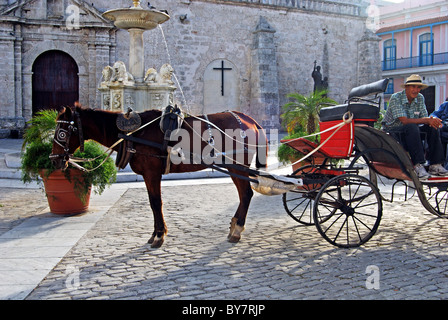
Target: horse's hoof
x: 157, y: 243
x: 235, y: 231
x: 233, y: 239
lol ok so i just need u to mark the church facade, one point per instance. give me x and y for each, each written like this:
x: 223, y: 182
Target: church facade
x: 241, y: 55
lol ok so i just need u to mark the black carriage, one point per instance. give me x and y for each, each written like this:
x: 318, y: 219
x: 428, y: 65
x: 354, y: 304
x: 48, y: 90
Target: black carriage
x: 344, y: 202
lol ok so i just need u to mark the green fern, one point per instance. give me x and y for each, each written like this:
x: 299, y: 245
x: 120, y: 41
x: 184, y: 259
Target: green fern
x: 41, y: 127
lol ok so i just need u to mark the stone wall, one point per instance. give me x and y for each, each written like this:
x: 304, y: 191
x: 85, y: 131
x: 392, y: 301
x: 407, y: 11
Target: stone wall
x: 225, y: 30
x: 28, y: 29
x: 200, y: 33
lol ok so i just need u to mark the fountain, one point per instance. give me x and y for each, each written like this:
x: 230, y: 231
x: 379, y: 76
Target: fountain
x: 136, y: 89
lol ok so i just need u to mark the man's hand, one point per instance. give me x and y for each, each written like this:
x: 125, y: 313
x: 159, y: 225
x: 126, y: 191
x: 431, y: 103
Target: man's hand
x: 434, y: 122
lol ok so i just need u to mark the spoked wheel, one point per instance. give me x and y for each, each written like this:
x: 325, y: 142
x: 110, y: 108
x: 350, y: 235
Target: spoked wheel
x: 347, y: 210
x: 299, y: 206
x: 299, y: 203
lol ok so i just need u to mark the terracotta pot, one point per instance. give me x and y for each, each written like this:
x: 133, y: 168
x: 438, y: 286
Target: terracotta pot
x: 61, y: 195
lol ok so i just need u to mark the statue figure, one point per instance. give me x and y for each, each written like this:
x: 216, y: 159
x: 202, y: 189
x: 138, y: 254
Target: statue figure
x: 151, y: 75
x: 120, y: 74
x: 117, y: 73
x: 107, y: 73
x: 163, y: 77
x: 317, y: 77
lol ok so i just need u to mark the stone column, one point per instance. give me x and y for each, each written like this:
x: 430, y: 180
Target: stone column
x: 136, y: 54
x: 264, y: 103
x: 369, y: 58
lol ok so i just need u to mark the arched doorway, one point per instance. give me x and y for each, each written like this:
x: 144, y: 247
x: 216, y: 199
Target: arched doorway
x: 55, y: 81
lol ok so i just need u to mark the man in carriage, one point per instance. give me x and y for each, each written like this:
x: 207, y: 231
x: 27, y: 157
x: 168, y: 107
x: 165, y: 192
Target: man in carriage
x: 406, y: 118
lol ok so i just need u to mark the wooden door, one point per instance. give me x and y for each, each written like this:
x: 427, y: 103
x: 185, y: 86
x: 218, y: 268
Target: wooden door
x: 55, y: 81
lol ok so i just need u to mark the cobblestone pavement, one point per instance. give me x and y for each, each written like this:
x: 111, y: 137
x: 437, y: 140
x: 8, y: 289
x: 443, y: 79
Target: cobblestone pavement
x: 276, y: 259
x: 16, y: 205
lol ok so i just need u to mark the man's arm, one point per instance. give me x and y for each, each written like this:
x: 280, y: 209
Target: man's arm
x: 436, y: 123
x: 441, y: 111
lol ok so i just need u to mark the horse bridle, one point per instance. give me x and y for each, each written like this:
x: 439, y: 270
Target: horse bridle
x: 62, y: 136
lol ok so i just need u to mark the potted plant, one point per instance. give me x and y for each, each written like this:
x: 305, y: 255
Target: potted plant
x: 68, y: 191
x: 301, y: 118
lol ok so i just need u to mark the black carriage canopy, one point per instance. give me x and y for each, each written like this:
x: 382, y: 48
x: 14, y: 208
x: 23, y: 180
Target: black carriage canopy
x: 384, y: 153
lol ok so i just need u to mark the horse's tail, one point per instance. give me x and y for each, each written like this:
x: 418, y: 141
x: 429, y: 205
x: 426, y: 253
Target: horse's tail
x: 261, y: 157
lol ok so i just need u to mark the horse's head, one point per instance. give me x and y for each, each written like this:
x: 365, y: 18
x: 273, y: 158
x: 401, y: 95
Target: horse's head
x: 67, y: 138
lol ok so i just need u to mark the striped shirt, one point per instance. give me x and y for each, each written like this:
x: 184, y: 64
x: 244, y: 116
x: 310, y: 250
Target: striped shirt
x: 399, y: 106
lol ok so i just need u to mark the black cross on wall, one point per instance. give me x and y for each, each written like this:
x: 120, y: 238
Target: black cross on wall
x: 222, y: 69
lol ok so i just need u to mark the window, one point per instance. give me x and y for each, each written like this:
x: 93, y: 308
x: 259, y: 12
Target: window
x: 426, y: 46
x: 389, y: 53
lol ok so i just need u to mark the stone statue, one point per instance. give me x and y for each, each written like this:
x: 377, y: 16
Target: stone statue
x: 120, y: 74
x: 162, y: 77
x: 107, y: 73
x: 317, y: 77
x: 117, y: 73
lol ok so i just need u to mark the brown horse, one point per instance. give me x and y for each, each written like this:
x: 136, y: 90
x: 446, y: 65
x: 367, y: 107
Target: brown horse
x: 150, y: 160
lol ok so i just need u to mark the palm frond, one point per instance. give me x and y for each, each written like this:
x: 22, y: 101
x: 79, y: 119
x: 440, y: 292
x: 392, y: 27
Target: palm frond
x: 302, y: 111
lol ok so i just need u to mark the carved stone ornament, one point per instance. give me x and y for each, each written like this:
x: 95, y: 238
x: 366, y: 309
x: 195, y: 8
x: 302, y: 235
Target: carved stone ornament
x: 163, y: 77
x: 116, y: 73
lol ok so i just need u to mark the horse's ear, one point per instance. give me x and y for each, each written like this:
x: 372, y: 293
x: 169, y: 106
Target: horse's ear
x: 77, y: 105
x: 68, y: 112
x: 61, y: 110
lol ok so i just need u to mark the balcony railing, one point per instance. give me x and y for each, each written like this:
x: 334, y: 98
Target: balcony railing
x: 415, y: 62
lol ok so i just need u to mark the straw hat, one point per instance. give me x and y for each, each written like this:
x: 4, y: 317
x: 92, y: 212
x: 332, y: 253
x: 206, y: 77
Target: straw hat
x: 415, y: 80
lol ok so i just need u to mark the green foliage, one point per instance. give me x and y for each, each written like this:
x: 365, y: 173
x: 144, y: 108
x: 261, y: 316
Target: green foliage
x: 287, y: 154
x: 41, y: 127
x: 379, y: 123
x: 104, y: 174
x: 34, y: 159
x: 303, y: 111
x: 38, y: 143
x: 301, y: 118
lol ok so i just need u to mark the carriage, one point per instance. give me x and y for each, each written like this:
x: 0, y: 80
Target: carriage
x: 337, y: 191
x: 344, y: 202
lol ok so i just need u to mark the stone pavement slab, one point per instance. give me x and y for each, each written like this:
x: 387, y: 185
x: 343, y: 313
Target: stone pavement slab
x: 31, y: 249
x: 277, y: 259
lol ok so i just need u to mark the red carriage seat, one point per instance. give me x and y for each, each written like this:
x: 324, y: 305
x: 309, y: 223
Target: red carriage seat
x: 338, y: 146
x: 340, y: 143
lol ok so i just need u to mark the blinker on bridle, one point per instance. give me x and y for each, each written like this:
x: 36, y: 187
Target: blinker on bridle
x: 62, y: 136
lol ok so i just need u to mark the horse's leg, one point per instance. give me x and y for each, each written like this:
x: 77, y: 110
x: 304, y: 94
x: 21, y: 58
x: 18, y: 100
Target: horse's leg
x: 153, y: 185
x: 239, y: 219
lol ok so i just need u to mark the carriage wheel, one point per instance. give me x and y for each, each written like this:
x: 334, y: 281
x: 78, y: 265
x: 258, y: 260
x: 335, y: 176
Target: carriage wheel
x: 360, y: 163
x: 299, y: 203
x: 437, y: 197
x: 348, y: 210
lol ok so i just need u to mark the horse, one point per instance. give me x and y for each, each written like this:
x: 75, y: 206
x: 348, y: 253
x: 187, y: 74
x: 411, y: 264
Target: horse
x: 151, y: 156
